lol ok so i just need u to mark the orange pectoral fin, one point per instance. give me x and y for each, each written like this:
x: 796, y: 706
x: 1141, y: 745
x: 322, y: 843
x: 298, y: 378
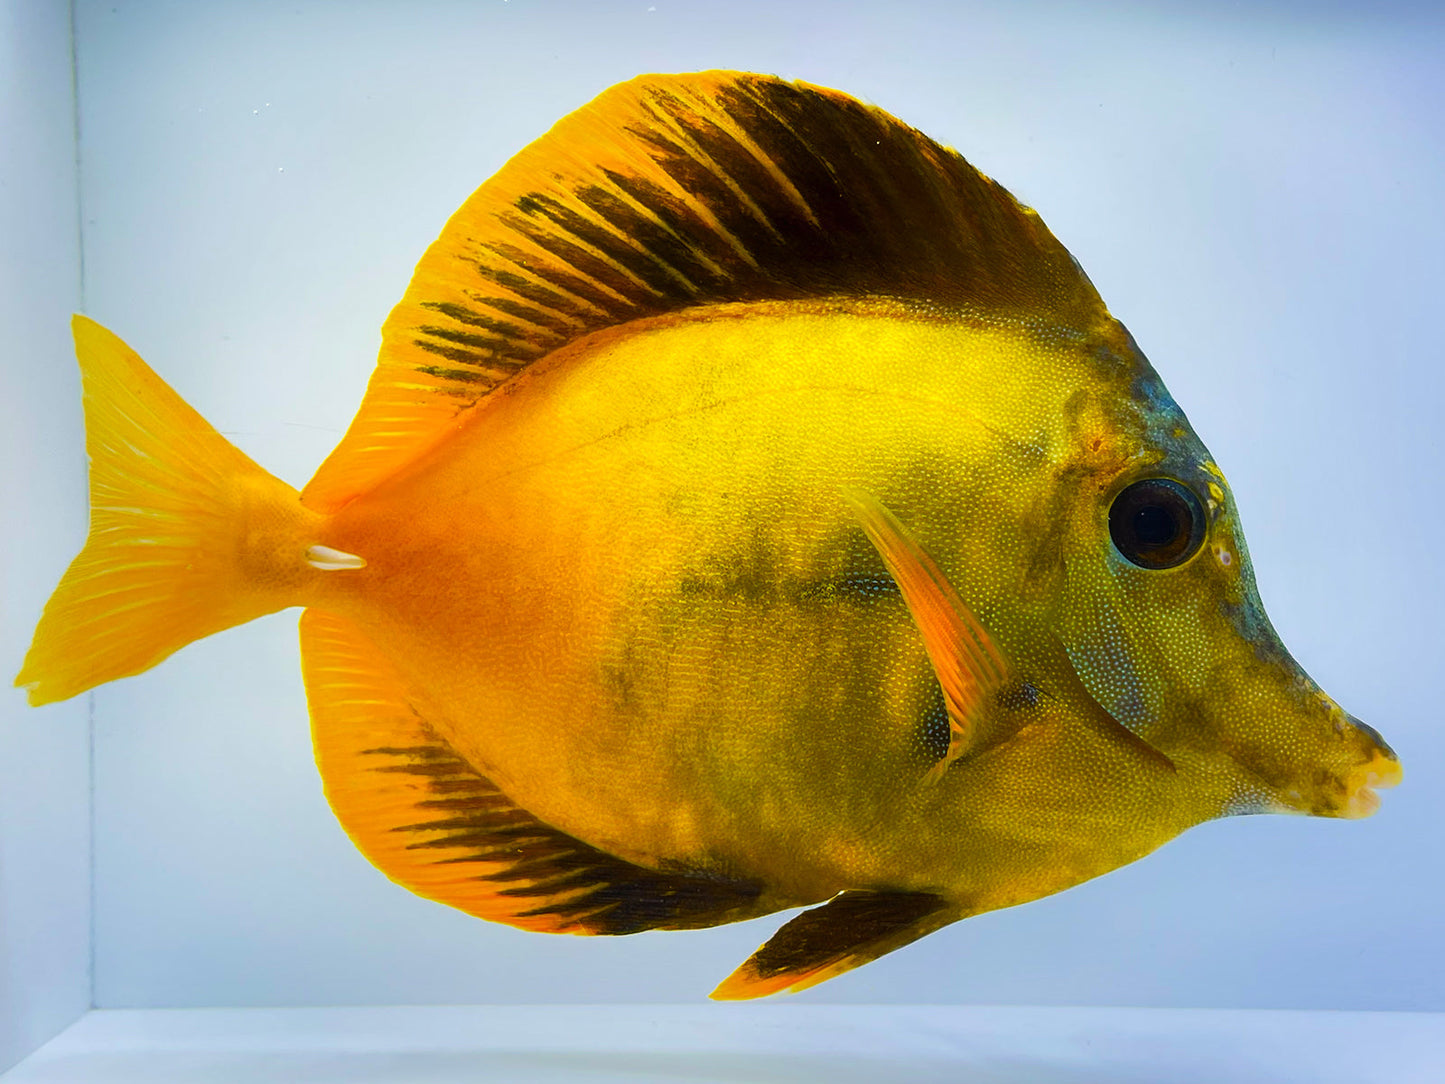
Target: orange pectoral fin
x: 969, y: 665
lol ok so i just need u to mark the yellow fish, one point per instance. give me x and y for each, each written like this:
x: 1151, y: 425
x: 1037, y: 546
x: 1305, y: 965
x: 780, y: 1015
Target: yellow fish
x: 753, y: 507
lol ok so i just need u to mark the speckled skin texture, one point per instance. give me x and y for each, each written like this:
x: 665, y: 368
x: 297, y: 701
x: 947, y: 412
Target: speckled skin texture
x: 630, y: 592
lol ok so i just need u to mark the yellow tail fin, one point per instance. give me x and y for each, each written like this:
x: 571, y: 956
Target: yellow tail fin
x: 187, y: 535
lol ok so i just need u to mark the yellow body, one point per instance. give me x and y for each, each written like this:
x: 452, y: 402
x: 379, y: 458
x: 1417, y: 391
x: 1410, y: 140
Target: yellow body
x: 734, y: 601
x: 646, y: 564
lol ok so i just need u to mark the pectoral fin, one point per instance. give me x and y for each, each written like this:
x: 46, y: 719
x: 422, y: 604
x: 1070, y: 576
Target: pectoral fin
x: 849, y: 930
x: 969, y: 665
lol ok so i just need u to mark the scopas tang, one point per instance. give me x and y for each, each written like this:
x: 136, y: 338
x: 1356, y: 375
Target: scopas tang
x: 753, y: 506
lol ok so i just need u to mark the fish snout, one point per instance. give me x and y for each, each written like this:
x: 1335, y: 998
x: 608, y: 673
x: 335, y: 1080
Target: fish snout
x: 1380, y: 769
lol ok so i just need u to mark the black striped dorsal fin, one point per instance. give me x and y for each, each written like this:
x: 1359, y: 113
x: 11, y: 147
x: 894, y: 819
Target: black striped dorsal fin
x: 432, y: 823
x: 670, y: 192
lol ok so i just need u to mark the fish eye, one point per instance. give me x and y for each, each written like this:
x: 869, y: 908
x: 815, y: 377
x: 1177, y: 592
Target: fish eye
x: 1157, y: 523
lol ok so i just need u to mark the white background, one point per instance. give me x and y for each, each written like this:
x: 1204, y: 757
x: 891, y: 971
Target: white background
x: 1253, y: 189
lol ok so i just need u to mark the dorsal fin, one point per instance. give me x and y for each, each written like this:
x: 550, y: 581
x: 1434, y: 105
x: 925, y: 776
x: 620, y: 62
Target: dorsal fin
x: 434, y: 824
x: 670, y: 192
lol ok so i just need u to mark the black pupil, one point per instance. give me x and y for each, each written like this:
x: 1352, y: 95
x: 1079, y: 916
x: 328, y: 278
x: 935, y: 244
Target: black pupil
x: 1157, y: 523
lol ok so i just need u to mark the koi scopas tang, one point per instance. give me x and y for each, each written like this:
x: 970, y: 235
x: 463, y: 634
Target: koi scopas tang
x: 753, y: 507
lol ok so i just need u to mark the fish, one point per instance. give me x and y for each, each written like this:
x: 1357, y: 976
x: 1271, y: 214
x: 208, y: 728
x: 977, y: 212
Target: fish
x: 754, y: 507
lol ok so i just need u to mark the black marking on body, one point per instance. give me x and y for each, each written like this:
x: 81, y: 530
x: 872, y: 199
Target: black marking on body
x: 621, y: 684
x: 1018, y: 696
x: 470, y: 820
x: 933, y: 729
x: 748, y: 587
x: 755, y: 570
x: 868, y: 586
x: 863, y: 588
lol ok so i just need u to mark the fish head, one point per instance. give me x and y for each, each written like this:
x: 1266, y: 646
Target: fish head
x: 1161, y: 619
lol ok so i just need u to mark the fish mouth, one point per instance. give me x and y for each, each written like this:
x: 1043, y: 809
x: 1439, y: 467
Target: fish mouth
x: 1380, y: 772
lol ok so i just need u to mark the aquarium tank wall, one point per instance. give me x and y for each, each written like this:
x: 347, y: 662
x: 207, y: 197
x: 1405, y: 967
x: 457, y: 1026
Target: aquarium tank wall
x: 242, y: 191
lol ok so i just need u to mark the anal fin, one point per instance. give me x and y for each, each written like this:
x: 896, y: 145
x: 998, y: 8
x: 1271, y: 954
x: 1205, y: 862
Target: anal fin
x: 849, y: 930
x: 432, y: 823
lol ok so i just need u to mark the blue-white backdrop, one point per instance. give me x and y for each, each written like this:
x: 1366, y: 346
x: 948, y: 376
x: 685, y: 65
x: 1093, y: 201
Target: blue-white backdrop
x: 1254, y: 189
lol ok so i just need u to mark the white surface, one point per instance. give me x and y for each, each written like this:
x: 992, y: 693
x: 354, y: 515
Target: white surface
x: 44, y: 755
x: 771, y: 1044
x: 1254, y: 191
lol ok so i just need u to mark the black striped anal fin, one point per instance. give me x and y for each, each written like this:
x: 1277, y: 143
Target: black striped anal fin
x: 432, y: 823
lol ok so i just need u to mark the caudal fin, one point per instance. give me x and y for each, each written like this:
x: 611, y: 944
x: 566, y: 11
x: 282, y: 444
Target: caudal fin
x: 185, y: 532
